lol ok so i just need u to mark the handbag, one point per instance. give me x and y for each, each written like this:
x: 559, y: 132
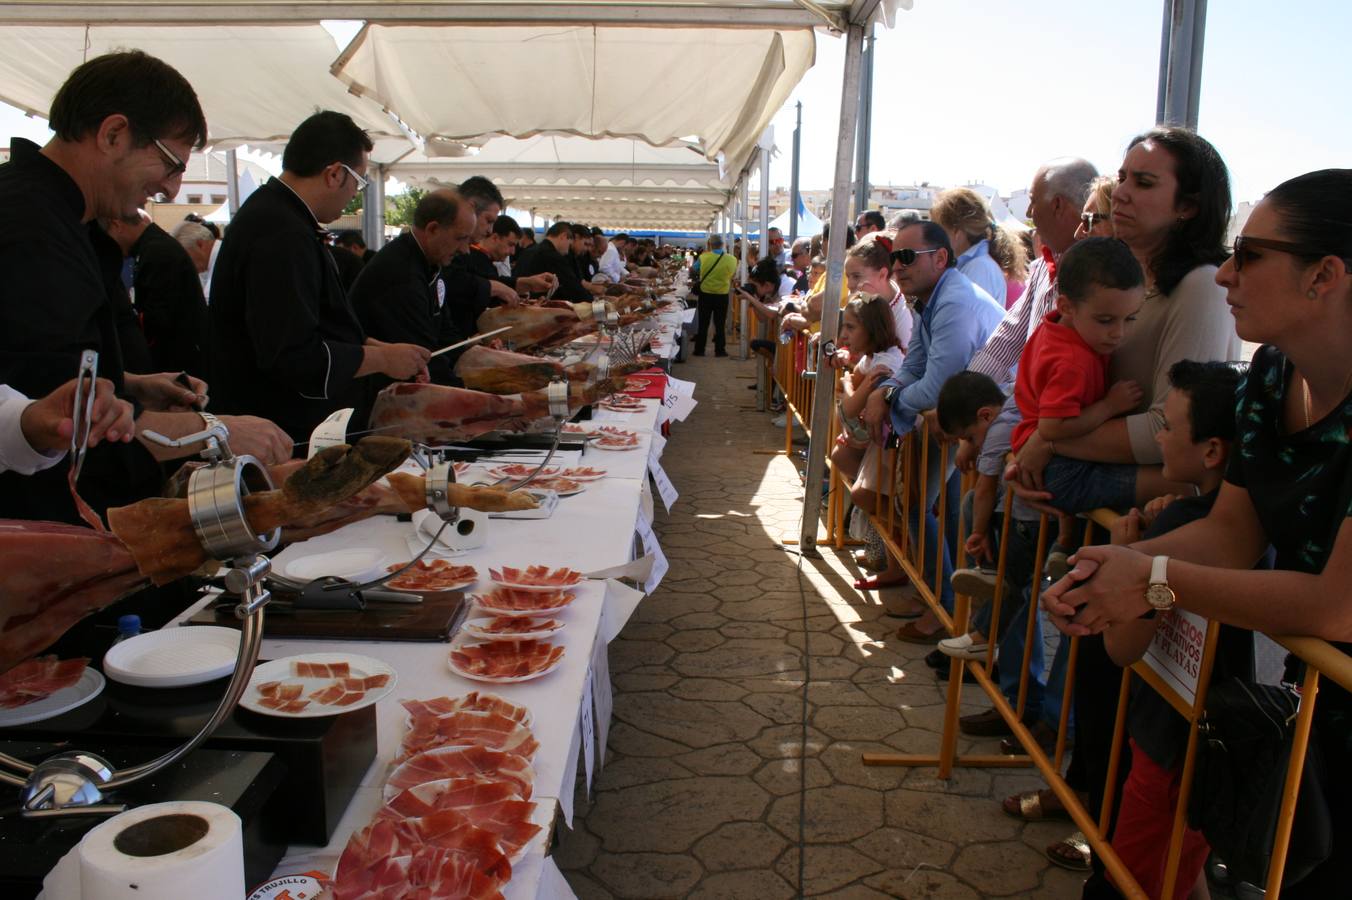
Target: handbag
x: 696, y: 281
x: 1245, y: 746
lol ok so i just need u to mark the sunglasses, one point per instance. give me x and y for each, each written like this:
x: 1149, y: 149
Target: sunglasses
x: 906, y: 256
x: 361, y: 181
x: 1089, y: 220
x: 173, y: 165
x: 1245, y: 247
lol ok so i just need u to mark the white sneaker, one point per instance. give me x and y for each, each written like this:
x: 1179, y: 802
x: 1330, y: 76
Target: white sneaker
x: 779, y: 421
x: 963, y: 647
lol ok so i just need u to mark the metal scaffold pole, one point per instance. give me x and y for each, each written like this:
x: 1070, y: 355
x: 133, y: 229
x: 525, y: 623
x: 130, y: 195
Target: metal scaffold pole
x: 794, y: 197
x: 835, y: 276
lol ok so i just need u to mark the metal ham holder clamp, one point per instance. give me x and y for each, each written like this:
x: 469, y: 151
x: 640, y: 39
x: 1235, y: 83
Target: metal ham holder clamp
x: 74, y: 782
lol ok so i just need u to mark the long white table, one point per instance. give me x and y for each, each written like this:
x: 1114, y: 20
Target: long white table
x: 590, y: 531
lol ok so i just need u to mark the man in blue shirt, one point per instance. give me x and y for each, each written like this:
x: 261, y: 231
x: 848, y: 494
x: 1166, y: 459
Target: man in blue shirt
x: 954, y: 318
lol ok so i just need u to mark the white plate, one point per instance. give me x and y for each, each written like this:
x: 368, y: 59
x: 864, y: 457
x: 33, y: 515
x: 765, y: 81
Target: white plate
x: 599, y: 474
x: 534, y: 588
x: 504, y: 679
x: 473, y: 628
x: 356, y: 564
x: 597, y: 445
x: 498, y: 473
x: 280, y: 670
x: 174, y: 657
x: 81, y: 692
x: 577, y: 490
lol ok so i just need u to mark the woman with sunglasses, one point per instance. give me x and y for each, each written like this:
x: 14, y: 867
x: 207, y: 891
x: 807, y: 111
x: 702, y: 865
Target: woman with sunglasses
x: 1289, y: 287
x: 1097, y: 218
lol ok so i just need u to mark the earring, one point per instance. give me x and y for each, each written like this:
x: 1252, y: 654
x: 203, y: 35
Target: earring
x: 1311, y: 295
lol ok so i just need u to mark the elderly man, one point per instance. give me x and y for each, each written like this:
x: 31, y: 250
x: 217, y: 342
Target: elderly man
x: 869, y: 221
x: 609, y: 262
x: 953, y: 319
x: 284, y: 340
x: 124, y: 123
x: 400, y: 298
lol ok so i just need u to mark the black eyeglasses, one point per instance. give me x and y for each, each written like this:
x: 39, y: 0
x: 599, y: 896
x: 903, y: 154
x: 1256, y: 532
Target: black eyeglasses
x: 1089, y: 220
x: 172, y: 163
x: 906, y: 256
x: 1244, y: 247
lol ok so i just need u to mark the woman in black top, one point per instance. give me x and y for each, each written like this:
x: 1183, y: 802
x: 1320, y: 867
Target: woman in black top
x: 1289, y: 484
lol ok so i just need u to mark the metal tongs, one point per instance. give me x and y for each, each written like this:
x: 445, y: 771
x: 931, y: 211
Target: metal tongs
x: 86, y: 386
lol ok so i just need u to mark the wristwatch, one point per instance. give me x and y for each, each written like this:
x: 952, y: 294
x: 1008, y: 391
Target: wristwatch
x: 1159, y: 595
x: 887, y: 394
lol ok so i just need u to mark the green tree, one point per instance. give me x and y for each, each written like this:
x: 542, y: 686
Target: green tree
x: 399, y: 208
x: 354, y: 205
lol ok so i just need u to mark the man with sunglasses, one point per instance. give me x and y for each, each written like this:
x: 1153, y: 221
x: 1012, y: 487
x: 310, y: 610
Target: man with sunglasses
x: 284, y: 340
x: 953, y: 318
x: 124, y: 123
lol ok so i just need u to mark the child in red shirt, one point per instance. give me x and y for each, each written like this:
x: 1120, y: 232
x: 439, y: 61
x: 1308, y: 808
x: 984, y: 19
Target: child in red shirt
x: 1061, y: 389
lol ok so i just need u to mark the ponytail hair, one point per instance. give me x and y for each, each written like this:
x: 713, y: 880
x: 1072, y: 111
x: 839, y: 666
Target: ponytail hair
x: 966, y: 212
x: 875, y: 317
x: 874, y: 251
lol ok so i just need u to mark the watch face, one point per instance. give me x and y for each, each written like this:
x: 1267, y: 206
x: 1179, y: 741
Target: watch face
x: 1160, y: 596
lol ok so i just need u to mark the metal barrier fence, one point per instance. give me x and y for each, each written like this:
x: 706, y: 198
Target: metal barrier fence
x: 905, y: 468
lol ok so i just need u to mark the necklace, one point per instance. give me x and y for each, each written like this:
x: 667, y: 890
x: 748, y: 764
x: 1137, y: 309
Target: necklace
x: 1305, y: 394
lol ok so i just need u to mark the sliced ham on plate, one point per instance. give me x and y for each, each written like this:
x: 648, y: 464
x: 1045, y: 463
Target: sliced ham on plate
x: 447, y: 857
x: 506, y: 661
x: 458, y: 729
x: 522, y: 602
x: 35, y: 679
x: 535, y: 577
x: 457, y: 762
x: 490, y: 805
x: 432, y: 576
x: 481, y: 701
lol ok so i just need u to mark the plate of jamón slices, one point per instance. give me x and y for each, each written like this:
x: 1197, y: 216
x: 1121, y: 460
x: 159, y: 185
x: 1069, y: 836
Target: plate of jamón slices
x: 516, y: 471
x: 518, y: 603
x: 564, y: 487
x: 505, y: 662
x: 578, y: 428
x: 491, y: 805
x: 465, y: 727
x: 583, y: 473
x: 622, y: 404
x: 475, y: 701
x: 46, y: 687
x: 535, y: 578
x: 511, y: 628
x: 313, y: 685
x: 432, y: 575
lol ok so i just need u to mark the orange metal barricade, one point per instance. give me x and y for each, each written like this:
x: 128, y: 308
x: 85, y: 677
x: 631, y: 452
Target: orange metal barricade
x: 905, y: 467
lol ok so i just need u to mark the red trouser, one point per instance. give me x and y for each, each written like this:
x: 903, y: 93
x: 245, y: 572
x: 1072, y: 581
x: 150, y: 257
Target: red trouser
x: 1144, y: 822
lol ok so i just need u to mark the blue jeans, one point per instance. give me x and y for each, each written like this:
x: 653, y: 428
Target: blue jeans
x: 1077, y: 486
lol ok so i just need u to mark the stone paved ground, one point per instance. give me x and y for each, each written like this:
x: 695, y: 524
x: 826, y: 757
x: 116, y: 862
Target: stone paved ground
x: 706, y: 792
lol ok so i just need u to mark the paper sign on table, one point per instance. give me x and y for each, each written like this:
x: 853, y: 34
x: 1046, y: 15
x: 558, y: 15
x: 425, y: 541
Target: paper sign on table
x: 587, y: 723
x: 620, y: 602
x: 652, y: 547
x: 637, y: 569
x: 658, y: 445
x: 683, y: 388
x: 602, y: 695
x: 665, y: 488
x: 688, y: 315
x: 683, y: 407
x: 645, y: 501
x: 565, y: 797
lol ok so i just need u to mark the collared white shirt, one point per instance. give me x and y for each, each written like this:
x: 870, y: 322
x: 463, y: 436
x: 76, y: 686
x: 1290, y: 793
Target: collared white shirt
x: 611, y: 265
x: 16, y: 454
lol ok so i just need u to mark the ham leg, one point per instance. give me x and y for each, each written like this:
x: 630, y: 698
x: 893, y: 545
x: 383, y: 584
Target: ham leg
x: 502, y: 372
x: 55, y: 575
x: 435, y: 414
x: 159, y: 531
x: 538, y: 326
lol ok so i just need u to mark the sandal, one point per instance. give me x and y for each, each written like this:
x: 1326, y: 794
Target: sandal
x: 1031, y: 807
x: 1071, y: 853
x: 913, y: 635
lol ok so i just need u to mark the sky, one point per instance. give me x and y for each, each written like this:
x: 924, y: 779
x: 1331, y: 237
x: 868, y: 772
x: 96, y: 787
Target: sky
x: 987, y: 90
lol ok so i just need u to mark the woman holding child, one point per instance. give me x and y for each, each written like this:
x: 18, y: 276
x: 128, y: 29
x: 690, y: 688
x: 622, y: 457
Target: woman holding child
x: 1289, y: 485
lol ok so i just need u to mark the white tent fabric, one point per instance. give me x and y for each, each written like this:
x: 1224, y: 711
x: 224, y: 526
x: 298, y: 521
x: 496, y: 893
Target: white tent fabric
x: 808, y: 223
x: 612, y: 182
x: 654, y: 84
x: 255, y: 82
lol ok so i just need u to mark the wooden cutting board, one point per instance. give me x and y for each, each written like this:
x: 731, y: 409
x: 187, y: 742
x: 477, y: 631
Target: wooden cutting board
x: 437, y: 618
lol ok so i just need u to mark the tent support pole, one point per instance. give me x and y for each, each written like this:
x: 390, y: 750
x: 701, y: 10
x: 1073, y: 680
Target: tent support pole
x: 373, y: 209
x: 794, y: 199
x: 824, y: 388
x: 861, y: 186
x: 1180, y: 79
x: 743, y: 337
x: 749, y: 317
x: 232, y: 182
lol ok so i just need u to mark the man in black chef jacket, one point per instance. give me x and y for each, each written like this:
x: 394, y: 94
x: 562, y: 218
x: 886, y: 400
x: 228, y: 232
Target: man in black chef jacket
x: 468, y: 294
x: 487, y: 254
x: 284, y: 341
x: 399, y: 296
x: 554, y: 255
x: 124, y: 123
x: 167, y: 293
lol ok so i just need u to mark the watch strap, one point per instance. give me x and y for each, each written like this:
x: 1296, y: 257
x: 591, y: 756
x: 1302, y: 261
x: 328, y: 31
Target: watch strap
x: 1159, y: 570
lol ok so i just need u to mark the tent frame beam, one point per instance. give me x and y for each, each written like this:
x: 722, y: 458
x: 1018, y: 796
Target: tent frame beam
x: 427, y: 12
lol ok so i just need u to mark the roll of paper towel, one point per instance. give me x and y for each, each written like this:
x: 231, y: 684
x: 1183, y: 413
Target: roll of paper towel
x: 162, y: 851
